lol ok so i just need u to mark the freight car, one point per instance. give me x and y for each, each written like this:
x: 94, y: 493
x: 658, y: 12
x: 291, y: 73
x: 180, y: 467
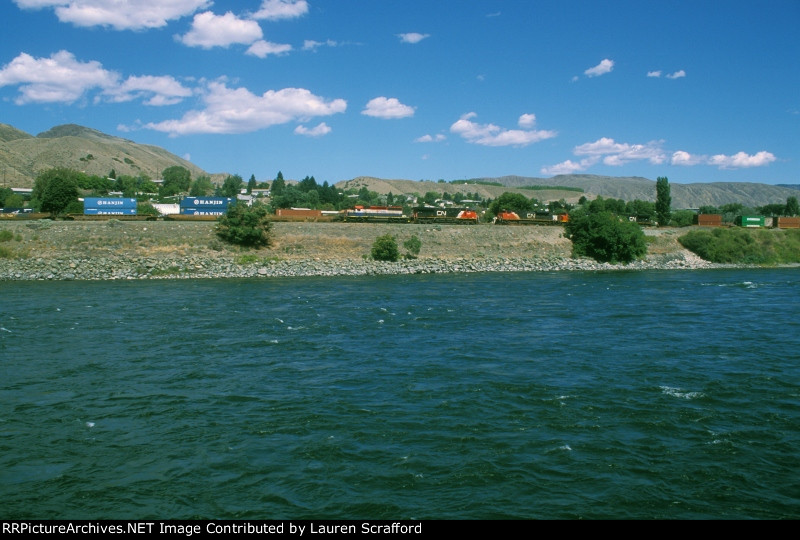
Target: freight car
x: 530, y: 218
x: 783, y: 222
x: 457, y: 216
x: 376, y: 214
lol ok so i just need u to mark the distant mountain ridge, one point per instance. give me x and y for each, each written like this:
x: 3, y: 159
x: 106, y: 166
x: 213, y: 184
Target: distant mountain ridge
x: 23, y: 157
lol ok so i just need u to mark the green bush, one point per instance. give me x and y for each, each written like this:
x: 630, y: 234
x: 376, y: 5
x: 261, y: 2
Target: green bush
x: 605, y: 238
x: 246, y: 226
x: 744, y: 246
x: 413, y: 246
x: 6, y: 236
x: 385, y: 249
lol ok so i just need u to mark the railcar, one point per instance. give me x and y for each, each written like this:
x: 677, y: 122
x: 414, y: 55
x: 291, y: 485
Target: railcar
x: 376, y: 214
x: 530, y: 218
x: 426, y: 214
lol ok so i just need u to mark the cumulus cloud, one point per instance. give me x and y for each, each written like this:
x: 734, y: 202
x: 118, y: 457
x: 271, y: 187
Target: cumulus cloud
x: 677, y: 75
x: 262, y: 48
x: 610, y: 152
x: 211, y: 30
x: 492, y: 135
x: 158, y: 91
x: 62, y: 78
x: 412, y: 37
x: 681, y: 157
x: 527, y: 121
x: 383, y: 107
x: 742, y: 160
x: 655, y: 74
x: 273, y: 10
x: 605, y: 66
x: 431, y: 138
x: 569, y: 166
x: 58, y: 79
x: 237, y: 110
x: 614, y: 153
x: 318, y: 131
x: 133, y: 15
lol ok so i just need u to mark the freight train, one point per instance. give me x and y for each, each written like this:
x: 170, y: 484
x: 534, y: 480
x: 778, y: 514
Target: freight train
x: 422, y: 214
x: 530, y: 218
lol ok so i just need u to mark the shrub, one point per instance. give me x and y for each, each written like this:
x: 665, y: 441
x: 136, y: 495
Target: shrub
x: 385, y: 249
x: 605, y: 238
x: 6, y: 236
x: 413, y: 245
x: 744, y: 246
x: 246, y: 226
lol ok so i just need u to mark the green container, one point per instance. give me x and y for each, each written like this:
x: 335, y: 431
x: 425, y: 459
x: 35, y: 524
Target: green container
x: 750, y: 221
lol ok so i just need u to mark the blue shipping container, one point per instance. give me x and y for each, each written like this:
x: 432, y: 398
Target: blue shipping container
x: 206, y: 202
x: 109, y: 211
x: 95, y: 202
x: 202, y: 212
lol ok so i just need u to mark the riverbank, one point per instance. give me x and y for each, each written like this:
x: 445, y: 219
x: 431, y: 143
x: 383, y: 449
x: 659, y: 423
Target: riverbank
x: 117, y: 250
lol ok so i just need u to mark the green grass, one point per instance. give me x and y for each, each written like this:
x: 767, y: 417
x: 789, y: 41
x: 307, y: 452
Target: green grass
x: 6, y: 236
x: 744, y: 246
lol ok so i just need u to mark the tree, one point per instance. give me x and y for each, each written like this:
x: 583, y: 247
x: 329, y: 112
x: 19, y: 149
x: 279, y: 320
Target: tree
x: 663, y: 200
x: 54, y: 190
x: 278, y: 185
x: 177, y: 179
x: 232, y: 185
x: 792, y: 206
x: 513, y: 202
x: 385, y: 249
x: 201, y: 187
x: 605, y: 238
x: 246, y: 226
x: 251, y: 184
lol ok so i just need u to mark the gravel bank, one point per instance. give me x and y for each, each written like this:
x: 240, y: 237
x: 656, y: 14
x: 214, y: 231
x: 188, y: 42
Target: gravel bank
x: 115, y: 250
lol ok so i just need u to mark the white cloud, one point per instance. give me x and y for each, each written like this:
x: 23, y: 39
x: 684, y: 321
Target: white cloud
x: 273, y: 10
x: 431, y: 138
x: 58, y: 79
x: 621, y: 153
x: 681, y: 157
x: 742, y: 160
x: 164, y: 90
x: 383, y: 107
x: 311, y: 45
x: 412, y: 37
x: 527, y: 121
x: 132, y: 15
x: 64, y: 79
x: 569, y: 166
x: 210, y: 30
x: 677, y: 74
x: 656, y: 73
x: 318, y: 131
x: 263, y: 48
x: 491, y: 135
x: 602, y: 68
x: 237, y: 110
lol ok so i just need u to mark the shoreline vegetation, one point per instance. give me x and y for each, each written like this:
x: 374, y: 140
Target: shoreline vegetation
x: 119, y: 250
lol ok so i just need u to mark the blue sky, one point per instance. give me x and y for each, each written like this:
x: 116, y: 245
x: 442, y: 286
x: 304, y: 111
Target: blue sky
x: 698, y: 91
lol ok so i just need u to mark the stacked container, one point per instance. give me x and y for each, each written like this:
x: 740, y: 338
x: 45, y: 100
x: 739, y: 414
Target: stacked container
x: 205, y: 206
x: 94, y: 206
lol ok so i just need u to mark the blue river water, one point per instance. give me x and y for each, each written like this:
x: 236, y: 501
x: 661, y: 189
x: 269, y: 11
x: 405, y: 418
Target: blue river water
x: 570, y: 395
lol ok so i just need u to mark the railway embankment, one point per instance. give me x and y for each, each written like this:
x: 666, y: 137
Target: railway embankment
x: 116, y: 250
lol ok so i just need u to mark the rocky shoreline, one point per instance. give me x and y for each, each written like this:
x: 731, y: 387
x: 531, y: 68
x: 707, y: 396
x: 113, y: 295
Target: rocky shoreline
x: 64, y: 251
x: 195, y: 267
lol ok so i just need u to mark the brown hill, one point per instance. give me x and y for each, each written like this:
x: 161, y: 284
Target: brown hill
x: 23, y: 156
